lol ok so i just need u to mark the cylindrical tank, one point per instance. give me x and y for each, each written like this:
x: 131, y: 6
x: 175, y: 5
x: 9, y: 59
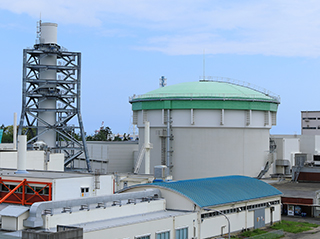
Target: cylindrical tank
x: 48, y: 37
x: 48, y: 33
x: 216, y: 128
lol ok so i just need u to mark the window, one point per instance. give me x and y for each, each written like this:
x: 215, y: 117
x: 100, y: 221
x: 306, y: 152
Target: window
x: 163, y: 235
x: 4, y: 188
x: 182, y: 233
x: 142, y: 237
x: 84, y: 192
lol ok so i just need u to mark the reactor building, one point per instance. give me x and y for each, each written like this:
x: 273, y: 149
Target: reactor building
x: 206, y: 128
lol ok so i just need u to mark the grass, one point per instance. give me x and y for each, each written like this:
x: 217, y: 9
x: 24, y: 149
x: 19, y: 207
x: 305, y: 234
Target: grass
x: 257, y: 233
x: 252, y: 233
x: 294, y: 227
x: 287, y: 226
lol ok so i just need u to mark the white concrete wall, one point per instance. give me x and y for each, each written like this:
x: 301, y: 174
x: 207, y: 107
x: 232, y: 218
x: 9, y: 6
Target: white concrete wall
x: 35, y: 161
x: 97, y: 214
x: 56, y: 162
x: 20, y: 220
x: 148, y: 228
x: 111, y: 157
x: 174, y: 201
x: 69, y: 188
x: 209, y: 148
x: 307, y: 145
x: 8, y: 160
x: 240, y: 220
x: 9, y: 223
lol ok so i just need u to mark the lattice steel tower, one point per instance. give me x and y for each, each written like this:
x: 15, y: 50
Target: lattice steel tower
x: 51, y: 93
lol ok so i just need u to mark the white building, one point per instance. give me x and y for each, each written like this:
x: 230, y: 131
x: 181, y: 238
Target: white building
x: 310, y: 122
x: 110, y: 156
x: 206, y: 128
x: 175, y: 209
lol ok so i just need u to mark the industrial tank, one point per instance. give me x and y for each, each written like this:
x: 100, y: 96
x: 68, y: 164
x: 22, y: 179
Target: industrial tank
x: 207, y: 128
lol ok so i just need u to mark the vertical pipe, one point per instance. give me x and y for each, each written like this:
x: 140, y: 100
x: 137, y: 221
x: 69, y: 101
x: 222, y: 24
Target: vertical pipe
x: 48, y: 105
x: 15, y: 131
x: 24, y: 193
x: 22, y: 154
x: 147, y: 147
x: 168, y: 138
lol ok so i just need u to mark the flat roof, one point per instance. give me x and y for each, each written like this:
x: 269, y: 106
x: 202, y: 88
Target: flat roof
x: 42, y: 174
x: 297, y: 190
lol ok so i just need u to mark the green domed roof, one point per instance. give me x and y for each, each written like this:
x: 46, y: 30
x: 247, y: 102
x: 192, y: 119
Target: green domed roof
x: 205, y: 95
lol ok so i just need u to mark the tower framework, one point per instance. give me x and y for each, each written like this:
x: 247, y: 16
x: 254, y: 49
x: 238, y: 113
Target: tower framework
x: 51, y: 93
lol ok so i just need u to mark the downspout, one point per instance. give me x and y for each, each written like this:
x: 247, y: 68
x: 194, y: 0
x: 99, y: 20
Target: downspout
x: 168, y: 139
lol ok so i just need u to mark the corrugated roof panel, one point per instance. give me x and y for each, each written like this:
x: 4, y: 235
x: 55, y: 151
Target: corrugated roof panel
x: 221, y: 190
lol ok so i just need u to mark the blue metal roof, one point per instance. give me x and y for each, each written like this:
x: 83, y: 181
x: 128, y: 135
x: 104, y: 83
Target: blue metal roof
x: 220, y: 190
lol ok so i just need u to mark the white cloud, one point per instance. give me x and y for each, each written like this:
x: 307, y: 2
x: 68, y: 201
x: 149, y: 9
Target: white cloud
x: 270, y: 27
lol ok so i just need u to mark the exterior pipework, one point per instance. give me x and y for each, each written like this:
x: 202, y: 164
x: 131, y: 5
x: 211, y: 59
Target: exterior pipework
x: 15, y: 131
x: 22, y: 154
x: 48, y: 38
x: 168, y: 139
x: 35, y: 214
x: 147, y: 147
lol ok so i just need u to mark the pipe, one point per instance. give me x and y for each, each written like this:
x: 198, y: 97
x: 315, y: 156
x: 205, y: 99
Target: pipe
x: 22, y: 155
x: 168, y: 138
x: 48, y: 37
x: 147, y: 147
x: 15, y: 131
x: 35, y: 214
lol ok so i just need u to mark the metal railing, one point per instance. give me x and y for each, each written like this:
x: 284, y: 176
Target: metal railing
x: 261, y: 90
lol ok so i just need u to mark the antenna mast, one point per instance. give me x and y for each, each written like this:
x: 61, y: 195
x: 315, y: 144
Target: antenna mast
x: 204, y: 65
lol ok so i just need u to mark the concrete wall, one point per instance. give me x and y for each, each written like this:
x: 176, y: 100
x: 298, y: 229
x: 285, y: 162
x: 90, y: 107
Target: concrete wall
x: 14, y: 223
x: 97, y: 214
x: 9, y: 223
x: 209, y: 143
x: 149, y: 228
x: 213, y: 226
x: 110, y: 157
x: 35, y: 160
x: 286, y: 149
x: 210, y: 152
x: 68, y: 188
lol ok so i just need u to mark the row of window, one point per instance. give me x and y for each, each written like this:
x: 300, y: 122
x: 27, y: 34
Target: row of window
x: 28, y: 190
x: 310, y: 118
x: 239, y: 209
x: 308, y: 127
x: 181, y: 233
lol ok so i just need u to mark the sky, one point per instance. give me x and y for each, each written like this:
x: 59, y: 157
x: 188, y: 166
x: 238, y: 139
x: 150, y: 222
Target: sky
x: 127, y: 45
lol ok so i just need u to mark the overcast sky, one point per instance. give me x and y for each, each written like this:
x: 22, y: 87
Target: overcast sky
x: 127, y: 45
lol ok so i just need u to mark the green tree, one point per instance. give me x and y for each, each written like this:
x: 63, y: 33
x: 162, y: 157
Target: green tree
x: 7, y: 136
x: 104, y: 134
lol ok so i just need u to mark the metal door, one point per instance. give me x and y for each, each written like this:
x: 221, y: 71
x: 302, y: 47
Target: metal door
x: 259, y: 218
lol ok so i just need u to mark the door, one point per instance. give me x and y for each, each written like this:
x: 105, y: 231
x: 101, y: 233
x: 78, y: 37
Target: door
x: 259, y: 218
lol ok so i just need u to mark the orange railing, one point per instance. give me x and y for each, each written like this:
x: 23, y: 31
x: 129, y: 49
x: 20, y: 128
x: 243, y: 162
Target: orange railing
x: 24, y: 192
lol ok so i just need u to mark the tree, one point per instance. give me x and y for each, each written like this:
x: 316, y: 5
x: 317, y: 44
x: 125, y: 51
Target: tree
x: 126, y: 137
x: 104, y: 134
x: 7, y: 136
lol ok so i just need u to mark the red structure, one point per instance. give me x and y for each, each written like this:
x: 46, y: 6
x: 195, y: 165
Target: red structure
x: 24, y: 192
